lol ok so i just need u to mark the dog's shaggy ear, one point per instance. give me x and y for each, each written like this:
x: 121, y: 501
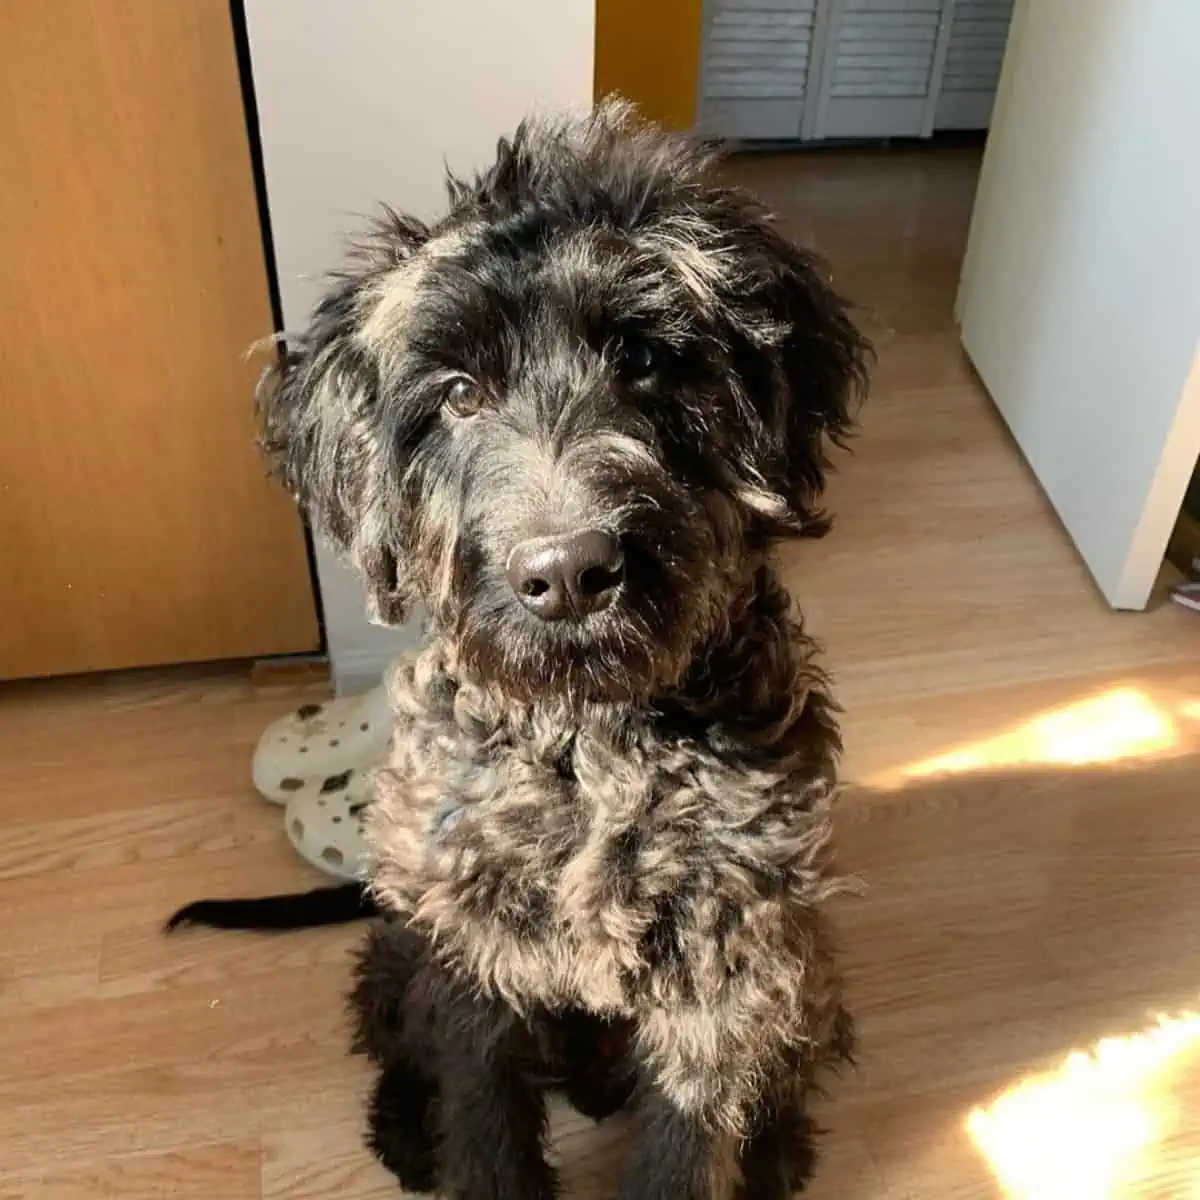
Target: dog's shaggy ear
x: 824, y: 363
x: 801, y: 359
x: 319, y: 410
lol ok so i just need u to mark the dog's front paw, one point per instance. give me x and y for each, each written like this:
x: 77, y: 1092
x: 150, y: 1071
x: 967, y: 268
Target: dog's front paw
x: 400, y: 1127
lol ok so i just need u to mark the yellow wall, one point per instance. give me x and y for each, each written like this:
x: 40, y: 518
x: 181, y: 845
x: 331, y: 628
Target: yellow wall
x: 649, y: 51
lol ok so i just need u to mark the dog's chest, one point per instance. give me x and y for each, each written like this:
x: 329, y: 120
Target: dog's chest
x: 555, y: 879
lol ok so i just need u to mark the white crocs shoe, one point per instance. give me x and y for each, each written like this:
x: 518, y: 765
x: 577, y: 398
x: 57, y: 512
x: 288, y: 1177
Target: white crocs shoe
x: 324, y: 823
x: 318, y: 741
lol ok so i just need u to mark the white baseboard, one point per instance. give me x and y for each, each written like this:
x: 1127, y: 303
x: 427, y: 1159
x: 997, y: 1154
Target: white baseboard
x: 360, y: 670
x: 355, y: 673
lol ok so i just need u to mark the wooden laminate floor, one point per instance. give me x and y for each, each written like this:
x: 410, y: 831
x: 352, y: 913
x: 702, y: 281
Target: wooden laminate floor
x: 1025, y: 963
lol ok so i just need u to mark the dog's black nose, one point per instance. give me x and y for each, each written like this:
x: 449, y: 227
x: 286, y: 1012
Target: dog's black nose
x: 567, y: 575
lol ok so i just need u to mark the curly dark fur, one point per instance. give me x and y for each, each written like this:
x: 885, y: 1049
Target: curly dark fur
x: 602, y: 845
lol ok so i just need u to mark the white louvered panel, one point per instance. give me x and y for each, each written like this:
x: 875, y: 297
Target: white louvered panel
x: 755, y: 70
x: 885, y: 50
x: 881, y: 60
x: 978, y: 37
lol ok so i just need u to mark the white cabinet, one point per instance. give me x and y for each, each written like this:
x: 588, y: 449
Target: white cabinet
x: 819, y: 69
x: 1080, y: 294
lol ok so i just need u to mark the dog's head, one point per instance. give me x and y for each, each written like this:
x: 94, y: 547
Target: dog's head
x: 569, y: 416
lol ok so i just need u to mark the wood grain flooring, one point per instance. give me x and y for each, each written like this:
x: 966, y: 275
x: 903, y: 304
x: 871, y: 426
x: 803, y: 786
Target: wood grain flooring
x: 1025, y: 812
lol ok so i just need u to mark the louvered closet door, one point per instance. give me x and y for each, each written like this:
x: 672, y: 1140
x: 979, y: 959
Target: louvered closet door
x: 878, y: 68
x: 755, y: 66
x: 978, y: 36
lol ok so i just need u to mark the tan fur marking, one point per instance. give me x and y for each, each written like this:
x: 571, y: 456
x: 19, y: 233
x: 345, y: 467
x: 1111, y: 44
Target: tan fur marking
x: 387, y: 303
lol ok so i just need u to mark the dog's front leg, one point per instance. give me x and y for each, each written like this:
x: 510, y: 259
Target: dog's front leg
x: 492, y: 1116
x: 679, y: 1156
x: 706, y: 1073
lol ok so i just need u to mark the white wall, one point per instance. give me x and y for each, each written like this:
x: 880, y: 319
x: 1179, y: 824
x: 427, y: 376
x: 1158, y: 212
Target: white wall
x: 364, y: 101
x: 1080, y: 298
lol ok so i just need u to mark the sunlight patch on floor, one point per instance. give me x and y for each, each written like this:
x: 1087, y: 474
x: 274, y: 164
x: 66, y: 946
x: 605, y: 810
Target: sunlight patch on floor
x: 1080, y: 1132
x: 1118, y: 724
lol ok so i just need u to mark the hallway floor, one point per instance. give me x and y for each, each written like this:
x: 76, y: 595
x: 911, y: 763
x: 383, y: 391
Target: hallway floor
x: 1025, y: 808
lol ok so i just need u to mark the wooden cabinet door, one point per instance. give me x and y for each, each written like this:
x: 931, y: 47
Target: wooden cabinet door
x: 137, y: 522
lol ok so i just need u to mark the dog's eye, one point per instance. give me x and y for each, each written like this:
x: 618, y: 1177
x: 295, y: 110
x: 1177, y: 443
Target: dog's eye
x: 464, y: 397
x: 638, y: 358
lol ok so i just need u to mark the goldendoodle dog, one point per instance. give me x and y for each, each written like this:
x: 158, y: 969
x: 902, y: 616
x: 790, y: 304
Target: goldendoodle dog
x: 572, y: 418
